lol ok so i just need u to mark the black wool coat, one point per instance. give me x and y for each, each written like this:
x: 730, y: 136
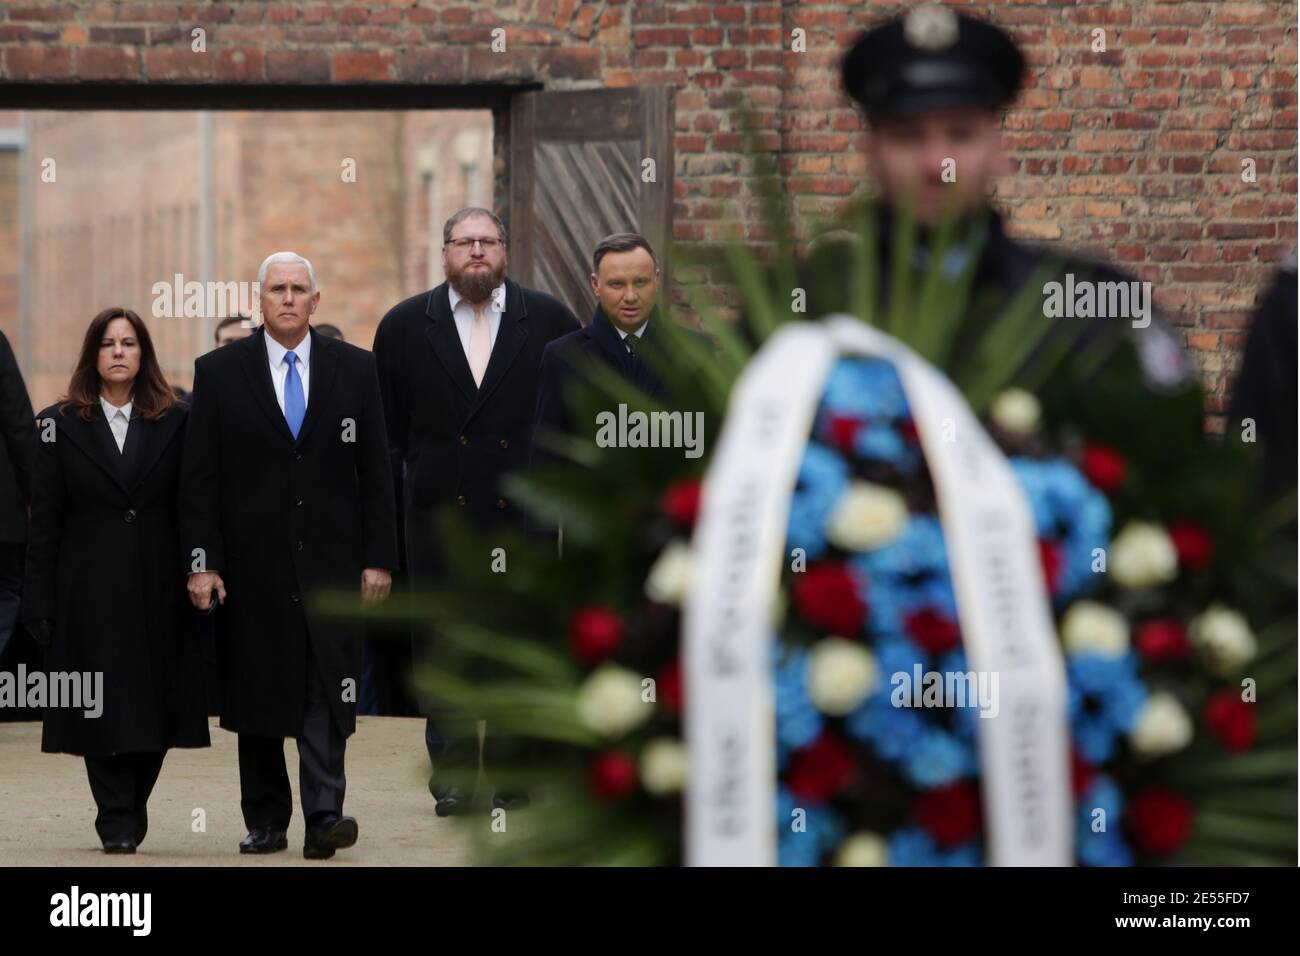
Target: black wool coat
x: 103, y: 530
x: 574, y: 355
x: 452, y: 442
x: 282, y: 520
x: 17, y: 447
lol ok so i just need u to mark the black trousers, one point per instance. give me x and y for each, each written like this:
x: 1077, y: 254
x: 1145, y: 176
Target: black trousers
x: 265, y: 797
x: 121, y: 785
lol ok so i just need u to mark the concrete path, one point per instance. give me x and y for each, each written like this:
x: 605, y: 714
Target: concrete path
x: 47, y: 815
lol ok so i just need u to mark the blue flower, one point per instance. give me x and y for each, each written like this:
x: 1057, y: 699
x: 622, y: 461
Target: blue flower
x: 936, y: 759
x: 880, y: 441
x: 1101, y: 847
x: 891, y: 731
x: 912, y: 846
x: 823, y: 475
x: 1106, y: 697
x: 798, y: 722
x: 864, y: 388
x: 1068, y: 510
x: 822, y: 831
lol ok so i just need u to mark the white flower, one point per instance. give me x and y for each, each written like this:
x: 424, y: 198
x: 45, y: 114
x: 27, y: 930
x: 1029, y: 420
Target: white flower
x: 663, y: 766
x: 1162, y: 727
x: 610, y: 703
x: 1090, y: 627
x: 1143, y: 555
x: 840, y: 674
x: 863, y: 849
x: 1016, y: 411
x: 670, y: 578
x: 1224, y: 637
x: 866, y: 516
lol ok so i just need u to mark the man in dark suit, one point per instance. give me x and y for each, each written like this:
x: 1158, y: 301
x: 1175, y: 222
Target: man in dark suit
x: 17, y: 458
x: 286, y: 492
x: 458, y: 367
x: 627, y: 333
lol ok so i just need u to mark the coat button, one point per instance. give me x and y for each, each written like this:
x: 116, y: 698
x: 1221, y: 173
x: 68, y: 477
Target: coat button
x: 464, y: 439
x: 129, y: 517
x: 505, y: 443
x: 460, y: 499
x: 299, y: 545
x: 293, y: 598
x: 298, y: 503
x: 501, y: 503
x: 297, y: 456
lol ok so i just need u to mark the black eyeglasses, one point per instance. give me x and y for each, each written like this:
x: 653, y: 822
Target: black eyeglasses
x: 468, y: 243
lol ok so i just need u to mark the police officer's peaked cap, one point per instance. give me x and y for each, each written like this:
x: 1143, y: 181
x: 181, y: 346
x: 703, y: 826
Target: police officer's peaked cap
x: 932, y: 58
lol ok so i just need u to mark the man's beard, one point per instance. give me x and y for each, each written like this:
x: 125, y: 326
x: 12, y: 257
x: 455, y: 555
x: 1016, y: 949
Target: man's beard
x: 476, y: 285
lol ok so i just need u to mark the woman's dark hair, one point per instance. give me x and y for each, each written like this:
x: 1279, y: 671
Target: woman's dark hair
x: 151, y: 394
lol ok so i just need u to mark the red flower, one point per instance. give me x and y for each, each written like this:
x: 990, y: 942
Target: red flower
x: 1193, y: 544
x: 820, y: 770
x: 1104, y: 467
x: 1161, y: 820
x: 951, y: 815
x: 1162, y: 639
x: 669, y: 686
x: 594, y: 634
x: 1231, y: 719
x: 825, y: 595
x: 611, y: 775
x: 1049, y: 553
x: 1081, y: 774
x: 931, y: 631
x: 681, y: 502
x: 843, y: 431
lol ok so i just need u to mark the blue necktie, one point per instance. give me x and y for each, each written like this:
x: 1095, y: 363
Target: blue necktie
x: 295, y: 406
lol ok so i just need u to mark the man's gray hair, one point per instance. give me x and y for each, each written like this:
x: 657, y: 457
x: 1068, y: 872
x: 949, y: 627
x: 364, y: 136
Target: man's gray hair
x: 285, y: 257
x: 466, y: 213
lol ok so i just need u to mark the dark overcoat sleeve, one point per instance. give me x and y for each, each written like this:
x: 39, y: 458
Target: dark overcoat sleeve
x: 550, y: 417
x: 375, y: 478
x: 40, y: 591
x: 16, y: 419
x: 392, y: 394
x: 200, y: 484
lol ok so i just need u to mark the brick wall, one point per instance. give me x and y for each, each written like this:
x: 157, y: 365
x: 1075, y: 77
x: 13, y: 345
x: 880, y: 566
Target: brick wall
x: 1134, y: 153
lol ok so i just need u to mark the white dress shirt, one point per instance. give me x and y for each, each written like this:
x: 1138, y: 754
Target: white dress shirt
x: 463, y: 313
x: 119, y: 419
x: 275, y: 353
x: 639, y: 333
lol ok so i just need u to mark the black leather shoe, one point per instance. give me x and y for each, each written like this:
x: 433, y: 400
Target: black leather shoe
x: 264, y: 840
x: 330, y: 834
x: 455, y: 802
x: 119, y: 846
x: 510, y: 801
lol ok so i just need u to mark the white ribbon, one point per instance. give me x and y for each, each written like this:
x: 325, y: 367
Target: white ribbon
x: 1001, y: 600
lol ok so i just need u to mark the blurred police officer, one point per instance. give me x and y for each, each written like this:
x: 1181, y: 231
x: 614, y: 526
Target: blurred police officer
x: 933, y: 84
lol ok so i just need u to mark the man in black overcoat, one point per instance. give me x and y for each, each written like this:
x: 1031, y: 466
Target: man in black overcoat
x: 458, y: 366
x: 286, y: 492
x: 627, y: 334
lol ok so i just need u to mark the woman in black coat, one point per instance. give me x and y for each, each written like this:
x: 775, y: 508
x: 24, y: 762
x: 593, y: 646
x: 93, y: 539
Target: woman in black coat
x: 103, y: 590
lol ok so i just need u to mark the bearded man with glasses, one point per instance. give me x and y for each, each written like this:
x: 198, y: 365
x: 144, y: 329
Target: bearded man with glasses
x: 458, y: 369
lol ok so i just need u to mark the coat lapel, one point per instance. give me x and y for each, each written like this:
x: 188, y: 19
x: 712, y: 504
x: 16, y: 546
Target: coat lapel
x: 145, y: 443
x: 257, y: 368
x: 442, y: 336
x: 95, y: 439
x: 324, y: 363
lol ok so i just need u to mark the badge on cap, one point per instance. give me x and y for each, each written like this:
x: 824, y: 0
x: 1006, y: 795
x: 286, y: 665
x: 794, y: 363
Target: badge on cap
x: 932, y: 27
